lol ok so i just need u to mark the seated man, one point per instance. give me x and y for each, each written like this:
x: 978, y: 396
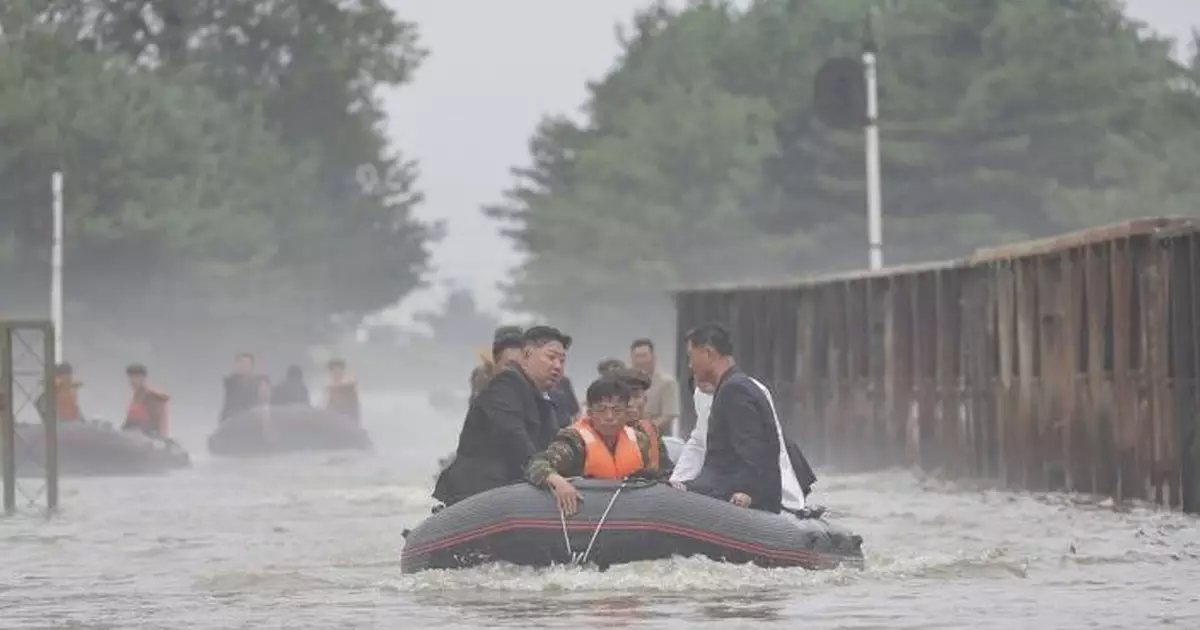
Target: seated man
x: 743, y: 449
x: 638, y: 384
x: 508, y: 422
x: 601, y: 445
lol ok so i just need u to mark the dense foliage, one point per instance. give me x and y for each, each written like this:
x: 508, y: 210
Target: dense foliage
x: 701, y: 159
x: 214, y: 154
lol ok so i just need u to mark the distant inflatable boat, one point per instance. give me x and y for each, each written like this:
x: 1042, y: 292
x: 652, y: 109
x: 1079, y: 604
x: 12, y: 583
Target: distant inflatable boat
x: 619, y: 523
x: 97, y: 449
x: 285, y: 429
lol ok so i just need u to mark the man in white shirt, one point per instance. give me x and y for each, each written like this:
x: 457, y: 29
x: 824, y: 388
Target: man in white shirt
x: 691, y: 460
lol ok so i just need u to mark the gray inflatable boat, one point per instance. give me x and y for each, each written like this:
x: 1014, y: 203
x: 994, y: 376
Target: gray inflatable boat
x: 620, y: 522
x: 284, y: 429
x: 97, y: 449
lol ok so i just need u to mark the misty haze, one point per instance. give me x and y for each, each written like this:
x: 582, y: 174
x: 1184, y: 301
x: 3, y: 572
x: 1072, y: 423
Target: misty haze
x: 276, y: 274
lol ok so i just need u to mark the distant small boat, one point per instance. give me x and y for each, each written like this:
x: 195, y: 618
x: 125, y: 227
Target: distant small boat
x: 97, y: 449
x: 284, y: 429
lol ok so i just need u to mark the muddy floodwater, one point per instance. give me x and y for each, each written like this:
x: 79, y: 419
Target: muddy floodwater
x: 313, y: 542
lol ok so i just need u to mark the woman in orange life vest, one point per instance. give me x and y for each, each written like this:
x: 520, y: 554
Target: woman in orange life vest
x: 66, y: 396
x: 342, y: 392
x: 148, y: 408
x: 601, y: 445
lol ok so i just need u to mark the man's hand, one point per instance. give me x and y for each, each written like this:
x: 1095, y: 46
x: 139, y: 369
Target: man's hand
x: 677, y: 485
x: 565, y: 494
x: 741, y: 499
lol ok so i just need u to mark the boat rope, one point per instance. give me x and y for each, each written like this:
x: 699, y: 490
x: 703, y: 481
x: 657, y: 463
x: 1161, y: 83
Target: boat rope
x: 562, y: 518
x: 581, y: 558
x: 600, y: 524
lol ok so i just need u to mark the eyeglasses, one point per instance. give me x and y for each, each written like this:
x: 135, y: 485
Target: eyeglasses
x: 608, y: 410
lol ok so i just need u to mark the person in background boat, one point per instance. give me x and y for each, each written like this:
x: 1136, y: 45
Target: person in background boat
x: 147, y: 410
x: 245, y: 389
x: 292, y: 390
x: 66, y: 397
x: 510, y: 420
x: 662, y: 399
x: 601, y: 445
x: 638, y: 383
x: 742, y: 454
x: 691, y: 459
x: 342, y: 392
x: 504, y: 353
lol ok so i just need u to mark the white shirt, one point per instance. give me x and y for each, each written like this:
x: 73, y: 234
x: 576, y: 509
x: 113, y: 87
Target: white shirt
x: 691, y: 460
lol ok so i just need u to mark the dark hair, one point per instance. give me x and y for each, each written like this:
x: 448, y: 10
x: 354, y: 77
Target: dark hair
x: 607, y: 387
x: 609, y: 366
x: 136, y: 369
x: 542, y: 335
x: 507, y: 342
x: 639, y: 342
x: 64, y: 368
x: 712, y: 335
x: 336, y: 363
x: 294, y: 371
x: 635, y: 379
x: 504, y: 332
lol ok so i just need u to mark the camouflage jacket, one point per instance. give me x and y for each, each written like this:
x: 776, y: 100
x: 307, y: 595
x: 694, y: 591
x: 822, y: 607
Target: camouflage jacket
x: 566, y: 456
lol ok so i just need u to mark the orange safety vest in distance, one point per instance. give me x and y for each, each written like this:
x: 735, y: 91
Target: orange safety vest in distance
x: 67, y: 399
x: 139, y: 412
x: 600, y: 463
x: 652, y: 431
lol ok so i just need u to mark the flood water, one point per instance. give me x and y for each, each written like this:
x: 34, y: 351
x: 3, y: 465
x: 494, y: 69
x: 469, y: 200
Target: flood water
x: 313, y: 542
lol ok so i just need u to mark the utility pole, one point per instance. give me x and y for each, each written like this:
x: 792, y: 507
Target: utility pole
x: 846, y: 92
x: 874, y: 192
x: 56, y: 265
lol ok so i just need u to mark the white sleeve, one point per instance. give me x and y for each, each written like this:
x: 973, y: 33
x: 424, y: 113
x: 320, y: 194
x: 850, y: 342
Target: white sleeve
x: 691, y: 460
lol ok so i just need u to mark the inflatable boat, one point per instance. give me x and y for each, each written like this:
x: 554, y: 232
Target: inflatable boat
x: 285, y: 429
x: 96, y: 449
x: 620, y: 522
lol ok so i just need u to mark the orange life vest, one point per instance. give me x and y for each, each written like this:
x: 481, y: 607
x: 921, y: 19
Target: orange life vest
x: 652, y: 431
x: 67, y: 398
x: 343, y: 399
x: 140, y: 415
x: 601, y: 463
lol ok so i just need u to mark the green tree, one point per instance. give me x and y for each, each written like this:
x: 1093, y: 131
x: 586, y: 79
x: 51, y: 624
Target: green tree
x: 174, y: 196
x: 313, y: 70
x: 701, y: 159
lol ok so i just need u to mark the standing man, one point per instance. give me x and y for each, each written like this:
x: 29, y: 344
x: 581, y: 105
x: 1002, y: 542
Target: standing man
x: 341, y: 394
x: 662, y: 399
x: 245, y: 389
x: 509, y: 421
x: 147, y: 411
x: 741, y: 460
x: 504, y: 353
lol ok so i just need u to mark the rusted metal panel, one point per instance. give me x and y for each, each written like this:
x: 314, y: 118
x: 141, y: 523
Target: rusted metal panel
x: 1065, y: 363
x: 1081, y: 238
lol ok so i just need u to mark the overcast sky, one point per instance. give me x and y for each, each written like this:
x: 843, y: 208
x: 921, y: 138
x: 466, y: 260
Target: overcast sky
x: 495, y: 68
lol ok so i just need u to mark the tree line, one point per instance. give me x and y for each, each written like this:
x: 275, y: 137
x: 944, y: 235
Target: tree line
x: 228, y: 180
x: 701, y: 160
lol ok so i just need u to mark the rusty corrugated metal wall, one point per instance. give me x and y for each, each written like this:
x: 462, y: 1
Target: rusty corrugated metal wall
x: 1070, y: 363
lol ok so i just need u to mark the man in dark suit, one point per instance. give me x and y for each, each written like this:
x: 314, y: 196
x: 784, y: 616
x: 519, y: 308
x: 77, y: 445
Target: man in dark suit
x: 509, y: 421
x: 741, y: 462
